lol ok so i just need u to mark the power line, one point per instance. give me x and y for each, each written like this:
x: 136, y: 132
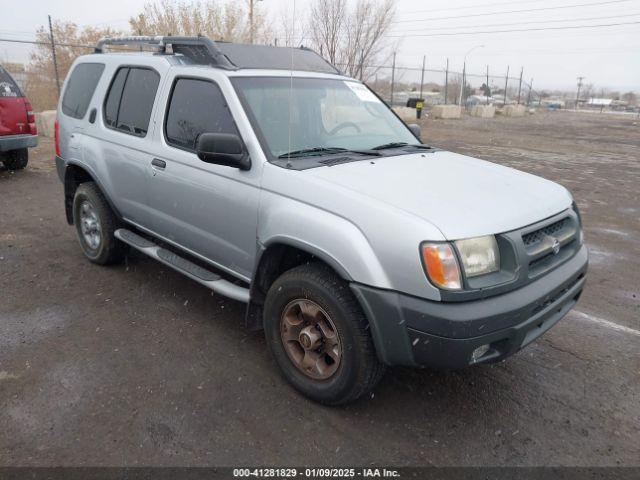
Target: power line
x: 514, y: 30
x: 514, y: 11
x: 36, y: 42
x: 528, y: 23
x: 494, y: 4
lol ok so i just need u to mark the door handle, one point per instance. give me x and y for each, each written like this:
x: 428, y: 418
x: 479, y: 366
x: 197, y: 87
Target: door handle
x: 157, y: 163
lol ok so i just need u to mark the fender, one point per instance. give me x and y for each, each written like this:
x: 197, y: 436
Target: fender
x: 332, y: 238
x: 70, y: 186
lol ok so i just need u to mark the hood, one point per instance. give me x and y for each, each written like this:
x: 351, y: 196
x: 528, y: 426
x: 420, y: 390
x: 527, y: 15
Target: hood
x: 462, y: 196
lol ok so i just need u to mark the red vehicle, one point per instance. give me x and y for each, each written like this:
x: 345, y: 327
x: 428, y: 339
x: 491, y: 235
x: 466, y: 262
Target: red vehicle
x: 18, y: 130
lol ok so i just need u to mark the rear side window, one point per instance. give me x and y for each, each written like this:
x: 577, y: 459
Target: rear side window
x: 130, y: 100
x: 195, y: 107
x: 80, y: 87
x: 8, y: 87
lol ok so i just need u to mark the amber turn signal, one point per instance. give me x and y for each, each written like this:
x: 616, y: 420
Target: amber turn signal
x: 441, y: 265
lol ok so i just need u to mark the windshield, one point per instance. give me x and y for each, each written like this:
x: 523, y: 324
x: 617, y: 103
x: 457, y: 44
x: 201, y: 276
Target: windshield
x: 326, y: 115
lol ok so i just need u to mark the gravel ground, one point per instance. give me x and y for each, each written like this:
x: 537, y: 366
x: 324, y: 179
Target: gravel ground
x: 137, y: 365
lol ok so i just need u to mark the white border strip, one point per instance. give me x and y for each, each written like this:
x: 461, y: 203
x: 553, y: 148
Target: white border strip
x: 606, y: 323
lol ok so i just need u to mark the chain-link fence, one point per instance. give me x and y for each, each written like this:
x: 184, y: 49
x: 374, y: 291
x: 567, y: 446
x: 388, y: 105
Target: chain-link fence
x: 397, y: 85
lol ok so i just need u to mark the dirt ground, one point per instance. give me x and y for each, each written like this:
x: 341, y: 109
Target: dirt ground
x: 137, y: 365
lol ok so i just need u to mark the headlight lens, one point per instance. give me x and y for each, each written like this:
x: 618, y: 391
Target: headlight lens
x: 479, y: 255
x: 440, y: 263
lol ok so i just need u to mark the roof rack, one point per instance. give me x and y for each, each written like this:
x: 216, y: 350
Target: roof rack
x: 201, y: 50
x: 229, y: 56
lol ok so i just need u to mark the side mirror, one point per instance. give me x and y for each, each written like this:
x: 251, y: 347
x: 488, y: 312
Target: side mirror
x: 415, y: 129
x: 223, y: 149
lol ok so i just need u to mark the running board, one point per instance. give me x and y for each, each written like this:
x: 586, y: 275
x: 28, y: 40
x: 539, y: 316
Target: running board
x: 184, y: 266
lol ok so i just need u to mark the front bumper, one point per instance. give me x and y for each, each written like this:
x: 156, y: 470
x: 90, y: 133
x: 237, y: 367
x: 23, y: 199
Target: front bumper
x: 16, y: 142
x: 413, y: 331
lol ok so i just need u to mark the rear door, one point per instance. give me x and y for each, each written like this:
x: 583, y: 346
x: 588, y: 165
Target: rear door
x: 121, y: 139
x: 13, y: 114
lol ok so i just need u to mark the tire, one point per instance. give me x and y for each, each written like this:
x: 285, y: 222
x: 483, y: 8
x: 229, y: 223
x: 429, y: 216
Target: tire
x: 98, y: 242
x: 16, y: 159
x: 358, y: 369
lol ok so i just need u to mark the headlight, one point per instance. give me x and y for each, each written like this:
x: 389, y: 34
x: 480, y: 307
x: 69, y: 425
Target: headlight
x: 440, y: 263
x: 479, y: 255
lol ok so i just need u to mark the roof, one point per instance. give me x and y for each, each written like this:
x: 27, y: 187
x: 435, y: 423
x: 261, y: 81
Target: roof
x: 275, y: 58
x: 230, y: 56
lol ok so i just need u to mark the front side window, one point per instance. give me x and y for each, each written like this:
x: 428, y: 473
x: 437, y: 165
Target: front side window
x: 195, y: 107
x: 80, y: 87
x: 130, y: 100
x: 313, y: 113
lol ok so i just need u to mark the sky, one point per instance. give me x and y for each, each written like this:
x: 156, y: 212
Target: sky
x: 548, y: 52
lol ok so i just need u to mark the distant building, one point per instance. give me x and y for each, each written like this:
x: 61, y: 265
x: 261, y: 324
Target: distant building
x: 599, y: 102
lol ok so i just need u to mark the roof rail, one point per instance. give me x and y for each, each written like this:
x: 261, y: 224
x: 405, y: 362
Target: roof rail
x: 201, y: 50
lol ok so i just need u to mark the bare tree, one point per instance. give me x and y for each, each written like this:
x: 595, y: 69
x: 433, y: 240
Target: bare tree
x: 588, y: 90
x: 285, y: 31
x: 227, y: 21
x: 630, y: 97
x: 71, y: 41
x: 327, y: 22
x: 353, y: 39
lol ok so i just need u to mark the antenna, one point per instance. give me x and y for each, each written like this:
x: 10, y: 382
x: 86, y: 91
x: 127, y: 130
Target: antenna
x: 580, y: 79
x: 293, y: 33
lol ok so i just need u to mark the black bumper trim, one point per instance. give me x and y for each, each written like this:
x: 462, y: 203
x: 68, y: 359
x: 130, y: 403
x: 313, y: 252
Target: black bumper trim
x: 60, y: 167
x: 412, y: 331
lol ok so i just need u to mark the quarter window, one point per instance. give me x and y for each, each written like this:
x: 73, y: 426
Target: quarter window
x: 8, y: 87
x: 130, y: 100
x: 195, y: 107
x: 113, y: 99
x: 80, y: 87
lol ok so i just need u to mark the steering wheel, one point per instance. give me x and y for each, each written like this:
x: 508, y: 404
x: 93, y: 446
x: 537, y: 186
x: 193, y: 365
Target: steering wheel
x: 339, y: 127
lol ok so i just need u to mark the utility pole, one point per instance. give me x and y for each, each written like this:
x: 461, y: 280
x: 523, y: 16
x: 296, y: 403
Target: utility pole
x: 251, y: 26
x: 530, y: 88
x: 55, y: 60
x: 506, y: 82
x: 520, y: 85
x: 393, y: 77
x: 488, y: 90
x: 464, y: 71
x: 424, y: 61
x: 580, y: 79
x: 446, y: 82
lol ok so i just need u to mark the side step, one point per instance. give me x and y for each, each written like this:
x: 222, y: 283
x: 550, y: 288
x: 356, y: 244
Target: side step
x: 184, y: 266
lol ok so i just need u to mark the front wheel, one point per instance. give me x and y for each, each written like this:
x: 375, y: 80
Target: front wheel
x: 95, y: 225
x: 319, y: 335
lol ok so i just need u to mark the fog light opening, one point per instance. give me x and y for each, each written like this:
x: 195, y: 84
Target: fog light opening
x: 479, y: 352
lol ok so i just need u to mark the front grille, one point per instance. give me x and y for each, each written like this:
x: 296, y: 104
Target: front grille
x: 550, y: 245
x: 537, y: 235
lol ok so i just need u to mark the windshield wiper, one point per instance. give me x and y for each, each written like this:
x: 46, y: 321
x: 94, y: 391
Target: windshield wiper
x: 385, y: 146
x: 326, y: 151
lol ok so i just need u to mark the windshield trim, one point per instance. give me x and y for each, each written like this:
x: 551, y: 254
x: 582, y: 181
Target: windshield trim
x: 264, y: 145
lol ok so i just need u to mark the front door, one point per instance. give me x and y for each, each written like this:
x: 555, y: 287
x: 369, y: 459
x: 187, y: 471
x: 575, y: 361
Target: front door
x: 209, y: 210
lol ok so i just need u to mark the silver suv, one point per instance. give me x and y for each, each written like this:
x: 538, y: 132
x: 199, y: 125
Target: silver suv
x: 265, y: 175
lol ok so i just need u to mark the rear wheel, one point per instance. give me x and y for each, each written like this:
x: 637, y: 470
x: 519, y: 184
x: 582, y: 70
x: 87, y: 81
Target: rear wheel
x: 319, y: 335
x: 16, y: 159
x: 95, y: 225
